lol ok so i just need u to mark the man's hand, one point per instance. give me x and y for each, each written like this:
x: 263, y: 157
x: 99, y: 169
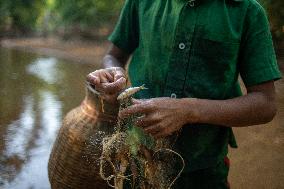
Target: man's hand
x: 161, y: 116
x: 164, y: 116
x: 109, y: 82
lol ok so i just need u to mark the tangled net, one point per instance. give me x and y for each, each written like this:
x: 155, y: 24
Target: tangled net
x: 132, y: 156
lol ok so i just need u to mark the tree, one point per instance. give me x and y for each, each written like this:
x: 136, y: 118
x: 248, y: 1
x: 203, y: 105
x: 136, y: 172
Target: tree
x: 22, y: 15
x: 275, y: 10
x: 87, y: 13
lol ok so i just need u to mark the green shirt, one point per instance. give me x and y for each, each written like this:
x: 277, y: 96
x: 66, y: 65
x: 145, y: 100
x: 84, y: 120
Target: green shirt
x: 197, y: 49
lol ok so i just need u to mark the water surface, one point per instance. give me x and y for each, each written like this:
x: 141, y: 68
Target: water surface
x: 35, y: 93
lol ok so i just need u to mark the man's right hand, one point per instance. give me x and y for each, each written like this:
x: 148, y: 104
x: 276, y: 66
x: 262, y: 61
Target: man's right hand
x: 109, y: 82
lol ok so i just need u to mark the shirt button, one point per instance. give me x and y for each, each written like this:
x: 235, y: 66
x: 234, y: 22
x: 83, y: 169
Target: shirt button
x: 191, y: 3
x: 173, y: 95
x: 181, y: 46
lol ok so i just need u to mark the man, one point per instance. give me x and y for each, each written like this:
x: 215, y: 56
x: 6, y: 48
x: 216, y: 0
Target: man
x: 194, y: 51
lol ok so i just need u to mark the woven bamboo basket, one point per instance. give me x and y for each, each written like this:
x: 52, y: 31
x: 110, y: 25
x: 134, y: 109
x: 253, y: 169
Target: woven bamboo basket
x: 74, y: 160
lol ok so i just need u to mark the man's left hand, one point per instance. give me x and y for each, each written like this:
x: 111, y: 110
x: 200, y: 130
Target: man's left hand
x: 161, y: 116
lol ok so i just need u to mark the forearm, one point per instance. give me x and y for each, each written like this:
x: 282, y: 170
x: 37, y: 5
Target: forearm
x: 251, y: 109
x: 115, y: 57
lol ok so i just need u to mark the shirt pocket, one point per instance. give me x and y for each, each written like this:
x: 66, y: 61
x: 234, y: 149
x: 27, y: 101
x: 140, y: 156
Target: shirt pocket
x: 213, y: 66
x: 216, y: 49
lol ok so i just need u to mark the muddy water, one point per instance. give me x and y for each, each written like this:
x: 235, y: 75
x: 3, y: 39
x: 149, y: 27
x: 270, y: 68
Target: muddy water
x: 35, y: 93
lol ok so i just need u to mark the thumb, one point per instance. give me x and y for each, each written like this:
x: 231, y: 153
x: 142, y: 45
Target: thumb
x: 115, y: 86
x: 92, y: 79
x: 118, y: 74
x: 137, y: 101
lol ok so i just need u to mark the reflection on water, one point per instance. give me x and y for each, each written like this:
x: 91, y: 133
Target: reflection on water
x: 45, y: 69
x: 35, y: 93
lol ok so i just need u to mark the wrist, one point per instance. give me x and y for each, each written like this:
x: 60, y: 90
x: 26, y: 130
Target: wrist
x: 191, y: 109
x: 110, y: 61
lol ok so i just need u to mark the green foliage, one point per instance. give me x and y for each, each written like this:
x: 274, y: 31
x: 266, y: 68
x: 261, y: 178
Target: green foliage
x: 275, y: 11
x: 22, y: 15
x: 4, y: 14
x: 137, y: 137
x: 87, y: 13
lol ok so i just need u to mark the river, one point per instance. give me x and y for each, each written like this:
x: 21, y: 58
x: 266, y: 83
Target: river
x: 35, y: 93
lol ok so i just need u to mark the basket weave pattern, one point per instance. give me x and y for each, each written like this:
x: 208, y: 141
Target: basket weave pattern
x: 73, y: 162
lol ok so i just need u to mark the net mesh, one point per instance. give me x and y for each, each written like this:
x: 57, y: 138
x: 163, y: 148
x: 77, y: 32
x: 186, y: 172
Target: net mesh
x: 138, y: 158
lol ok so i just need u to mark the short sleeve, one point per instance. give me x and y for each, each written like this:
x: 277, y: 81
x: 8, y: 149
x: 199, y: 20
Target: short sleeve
x: 257, y: 62
x: 126, y: 32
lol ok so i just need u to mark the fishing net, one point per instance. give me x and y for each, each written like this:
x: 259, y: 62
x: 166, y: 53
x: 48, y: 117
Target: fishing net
x: 137, y: 159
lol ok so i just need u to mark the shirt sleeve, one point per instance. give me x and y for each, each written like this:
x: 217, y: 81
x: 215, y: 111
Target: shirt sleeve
x: 257, y: 61
x: 125, y: 35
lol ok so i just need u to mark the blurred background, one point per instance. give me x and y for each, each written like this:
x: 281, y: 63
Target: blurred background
x: 86, y: 19
x: 46, y: 49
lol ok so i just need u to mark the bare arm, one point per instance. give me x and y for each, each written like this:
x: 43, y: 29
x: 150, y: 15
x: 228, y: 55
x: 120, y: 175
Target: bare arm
x: 257, y: 107
x: 115, y: 57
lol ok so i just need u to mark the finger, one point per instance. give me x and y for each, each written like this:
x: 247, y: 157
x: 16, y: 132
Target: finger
x: 153, y: 129
x: 135, y: 109
x: 109, y: 76
x: 93, y: 79
x: 160, y: 135
x: 137, y: 101
x: 164, y: 132
x: 100, y: 76
x: 103, y: 81
x: 117, y: 73
x: 145, y: 121
x: 115, y: 86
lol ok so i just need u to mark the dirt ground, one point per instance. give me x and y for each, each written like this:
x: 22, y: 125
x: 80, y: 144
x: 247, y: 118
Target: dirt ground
x: 259, y: 160
x: 78, y: 51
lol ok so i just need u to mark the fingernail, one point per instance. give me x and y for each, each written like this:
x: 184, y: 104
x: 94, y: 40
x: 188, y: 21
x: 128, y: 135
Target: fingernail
x: 91, y: 77
x: 116, y: 78
x: 122, y: 79
x: 136, y: 101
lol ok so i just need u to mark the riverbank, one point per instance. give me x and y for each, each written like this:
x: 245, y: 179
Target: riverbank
x: 78, y: 50
x: 75, y: 50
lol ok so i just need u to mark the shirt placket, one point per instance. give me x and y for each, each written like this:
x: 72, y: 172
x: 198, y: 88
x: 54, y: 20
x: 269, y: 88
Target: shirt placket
x: 180, y: 58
